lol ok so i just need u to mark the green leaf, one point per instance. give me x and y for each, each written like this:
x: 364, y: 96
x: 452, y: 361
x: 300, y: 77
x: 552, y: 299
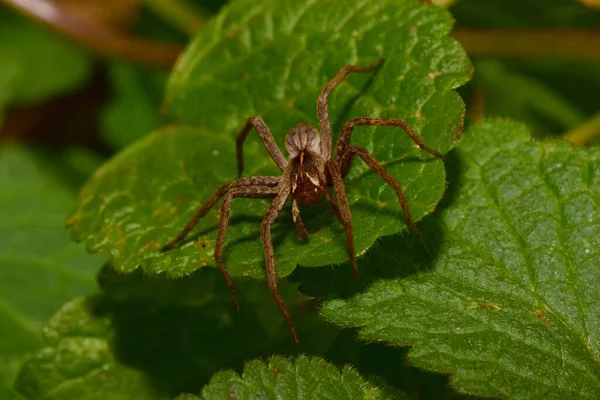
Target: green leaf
x: 505, y: 296
x: 133, y: 111
x: 78, y: 362
x: 139, y: 340
x: 40, y: 267
x: 36, y: 63
x: 144, y: 196
x: 302, y: 378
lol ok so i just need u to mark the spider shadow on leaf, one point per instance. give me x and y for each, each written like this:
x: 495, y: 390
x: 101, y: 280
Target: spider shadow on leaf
x: 395, y: 213
x: 391, y: 257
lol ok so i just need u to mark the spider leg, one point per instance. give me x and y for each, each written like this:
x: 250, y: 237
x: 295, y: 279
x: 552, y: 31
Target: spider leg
x: 344, y: 140
x: 346, y: 159
x: 333, y: 204
x: 323, y: 110
x: 240, y: 191
x: 274, y: 210
x: 343, y: 213
x: 267, y: 139
x: 302, y: 232
x: 251, y: 181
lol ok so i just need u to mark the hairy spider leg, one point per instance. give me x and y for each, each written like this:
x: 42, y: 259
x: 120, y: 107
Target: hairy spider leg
x: 322, y: 107
x: 251, y: 181
x: 267, y: 139
x: 343, y: 213
x: 240, y: 191
x: 344, y: 139
x: 272, y: 213
x: 345, y: 162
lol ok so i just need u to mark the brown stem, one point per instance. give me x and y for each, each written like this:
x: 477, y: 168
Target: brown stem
x: 102, y: 40
x: 554, y: 43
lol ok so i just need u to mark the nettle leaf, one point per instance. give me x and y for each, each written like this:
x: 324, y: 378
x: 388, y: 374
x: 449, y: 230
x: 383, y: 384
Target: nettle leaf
x: 78, y: 362
x: 302, y: 378
x: 272, y: 58
x: 41, y: 268
x: 507, y: 298
x: 140, y: 340
x: 35, y: 63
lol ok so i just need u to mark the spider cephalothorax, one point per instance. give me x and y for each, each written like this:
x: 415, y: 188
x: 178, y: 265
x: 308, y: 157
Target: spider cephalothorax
x: 309, y: 174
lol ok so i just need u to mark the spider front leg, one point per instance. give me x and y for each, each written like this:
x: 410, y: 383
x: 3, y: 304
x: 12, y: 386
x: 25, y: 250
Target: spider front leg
x: 344, y: 162
x: 272, y: 213
x: 240, y: 191
x: 323, y: 109
x: 267, y: 139
x: 344, y: 139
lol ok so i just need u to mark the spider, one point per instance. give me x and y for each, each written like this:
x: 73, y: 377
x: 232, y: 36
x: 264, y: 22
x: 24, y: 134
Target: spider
x: 309, y: 174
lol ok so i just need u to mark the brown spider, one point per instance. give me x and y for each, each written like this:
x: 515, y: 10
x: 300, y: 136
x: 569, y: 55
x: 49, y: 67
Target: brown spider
x: 308, y: 174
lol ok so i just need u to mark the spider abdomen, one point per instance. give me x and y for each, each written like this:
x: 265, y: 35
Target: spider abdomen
x: 307, y: 177
x: 306, y: 191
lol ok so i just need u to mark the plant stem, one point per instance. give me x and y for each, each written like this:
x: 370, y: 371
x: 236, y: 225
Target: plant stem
x: 591, y: 3
x: 555, y: 43
x: 181, y: 13
x: 444, y: 3
x: 586, y: 132
x: 101, y: 39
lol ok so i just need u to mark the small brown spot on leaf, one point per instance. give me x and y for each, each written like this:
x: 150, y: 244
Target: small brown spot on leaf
x: 231, y: 395
x: 72, y: 221
x: 541, y: 315
x: 483, y: 305
x: 323, y: 366
x: 149, y: 245
x: 276, y: 369
x: 433, y: 75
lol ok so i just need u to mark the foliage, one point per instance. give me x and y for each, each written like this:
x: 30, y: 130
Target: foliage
x: 509, y: 294
x: 147, y: 193
x: 500, y: 299
x: 41, y: 268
